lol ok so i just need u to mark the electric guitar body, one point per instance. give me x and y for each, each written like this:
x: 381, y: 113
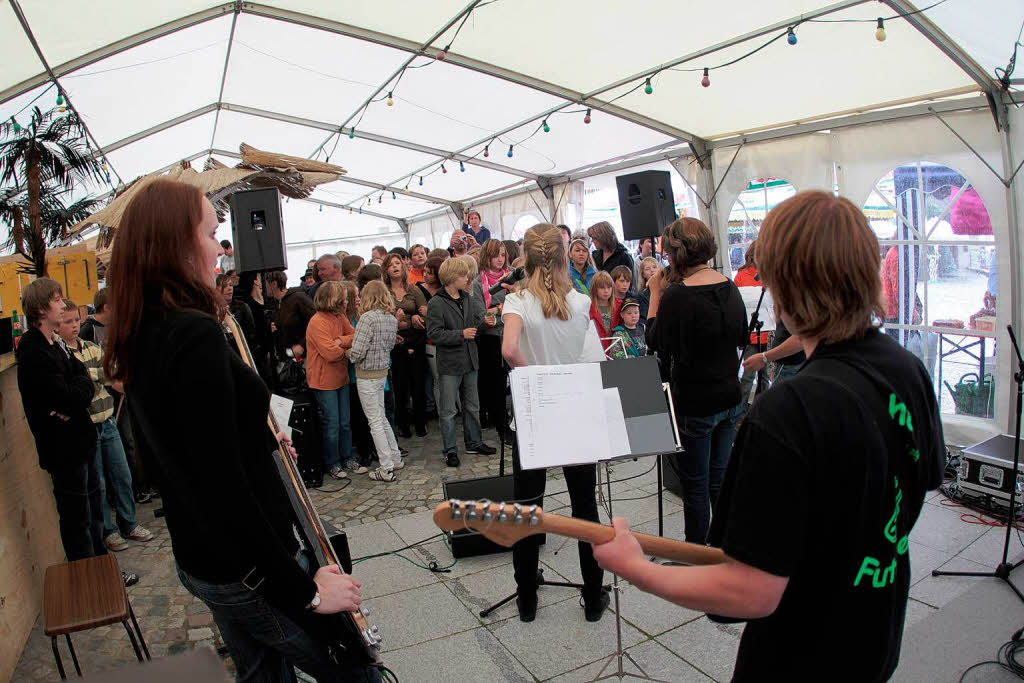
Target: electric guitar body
x: 348, y: 635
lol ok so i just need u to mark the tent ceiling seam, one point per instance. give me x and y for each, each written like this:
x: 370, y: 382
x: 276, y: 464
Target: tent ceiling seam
x: 420, y: 51
x: 117, y: 47
x: 224, y: 71
x: 23, y: 20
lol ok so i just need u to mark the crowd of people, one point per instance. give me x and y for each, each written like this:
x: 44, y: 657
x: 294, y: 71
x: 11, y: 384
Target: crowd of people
x: 426, y: 333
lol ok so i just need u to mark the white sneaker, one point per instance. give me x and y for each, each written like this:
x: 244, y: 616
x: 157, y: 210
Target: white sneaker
x: 338, y: 473
x: 115, y: 542
x: 381, y: 474
x: 140, y: 533
x: 399, y: 466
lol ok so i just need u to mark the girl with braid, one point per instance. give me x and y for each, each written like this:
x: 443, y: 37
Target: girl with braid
x: 548, y: 323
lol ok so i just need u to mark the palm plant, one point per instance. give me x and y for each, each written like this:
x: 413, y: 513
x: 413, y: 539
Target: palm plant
x: 43, y: 160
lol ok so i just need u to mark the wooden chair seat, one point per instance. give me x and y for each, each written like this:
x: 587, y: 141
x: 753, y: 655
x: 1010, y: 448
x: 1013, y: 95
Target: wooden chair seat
x: 83, y: 595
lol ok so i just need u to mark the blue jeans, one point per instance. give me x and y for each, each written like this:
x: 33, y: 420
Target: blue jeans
x: 112, y: 462
x: 785, y: 372
x: 334, y: 416
x: 707, y: 443
x: 451, y: 387
x: 266, y: 644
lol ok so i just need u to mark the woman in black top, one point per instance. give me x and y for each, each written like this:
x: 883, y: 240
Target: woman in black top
x: 203, y: 414
x: 696, y: 321
x: 857, y: 431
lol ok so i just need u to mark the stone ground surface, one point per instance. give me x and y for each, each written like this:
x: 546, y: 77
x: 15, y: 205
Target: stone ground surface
x: 430, y: 621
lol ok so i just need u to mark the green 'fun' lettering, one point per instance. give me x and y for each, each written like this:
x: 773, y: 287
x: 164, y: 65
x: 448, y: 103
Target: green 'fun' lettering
x: 867, y: 568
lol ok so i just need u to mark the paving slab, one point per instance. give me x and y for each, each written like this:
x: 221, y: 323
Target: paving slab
x: 474, y: 655
x: 419, y: 615
x: 654, y: 659
x: 560, y: 639
x: 709, y: 647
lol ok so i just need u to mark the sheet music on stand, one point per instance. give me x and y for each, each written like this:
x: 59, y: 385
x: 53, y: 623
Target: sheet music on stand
x: 590, y: 412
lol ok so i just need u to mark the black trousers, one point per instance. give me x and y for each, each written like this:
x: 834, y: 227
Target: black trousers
x: 529, y: 490
x: 76, y: 489
x: 409, y: 374
x: 491, y: 381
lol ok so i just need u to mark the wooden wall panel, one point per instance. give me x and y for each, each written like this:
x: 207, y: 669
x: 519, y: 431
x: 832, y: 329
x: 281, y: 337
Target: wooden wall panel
x: 29, y: 537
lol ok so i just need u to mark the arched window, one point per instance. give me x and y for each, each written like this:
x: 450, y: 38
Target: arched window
x: 938, y: 266
x: 522, y: 224
x: 761, y: 196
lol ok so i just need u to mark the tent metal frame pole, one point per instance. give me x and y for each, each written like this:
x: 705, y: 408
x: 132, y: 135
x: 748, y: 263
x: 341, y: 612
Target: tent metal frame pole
x: 224, y: 71
x: 402, y: 222
x: 356, y: 181
x: 926, y: 109
x: 118, y: 47
x: 465, y: 62
x: 397, y: 73
x: 53, y: 77
x: 153, y: 130
x: 948, y: 47
x: 1013, y: 218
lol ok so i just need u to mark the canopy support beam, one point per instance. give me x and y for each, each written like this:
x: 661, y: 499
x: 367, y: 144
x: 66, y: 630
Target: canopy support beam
x: 948, y: 47
x: 224, y: 71
x: 118, y: 47
x: 397, y: 73
x: 53, y: 77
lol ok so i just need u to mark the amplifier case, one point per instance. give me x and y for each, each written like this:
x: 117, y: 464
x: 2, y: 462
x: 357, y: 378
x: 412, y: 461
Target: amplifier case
x: 987, y: 469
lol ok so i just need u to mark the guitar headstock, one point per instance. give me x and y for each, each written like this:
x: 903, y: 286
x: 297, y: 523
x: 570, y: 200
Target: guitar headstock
x: 503, y: 523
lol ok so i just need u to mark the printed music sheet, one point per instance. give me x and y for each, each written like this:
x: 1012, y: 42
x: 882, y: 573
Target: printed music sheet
x: 560, y: 415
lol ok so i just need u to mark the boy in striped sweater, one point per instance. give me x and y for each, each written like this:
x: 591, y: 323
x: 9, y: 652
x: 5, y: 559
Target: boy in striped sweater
x: 110, y: 456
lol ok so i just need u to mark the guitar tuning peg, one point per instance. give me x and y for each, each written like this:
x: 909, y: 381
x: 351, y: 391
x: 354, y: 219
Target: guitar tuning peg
x: 456, y: 507
x: 518, y: 516
x: 471, y: 513
x: 534, y: 519
x: 485, y: 506
x: 503, y: 515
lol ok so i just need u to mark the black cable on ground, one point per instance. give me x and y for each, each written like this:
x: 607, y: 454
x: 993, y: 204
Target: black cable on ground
x: 1007, y: 658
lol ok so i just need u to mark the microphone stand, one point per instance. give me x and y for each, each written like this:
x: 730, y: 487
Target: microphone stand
x: 1005, y: 567
x: 755, y: 328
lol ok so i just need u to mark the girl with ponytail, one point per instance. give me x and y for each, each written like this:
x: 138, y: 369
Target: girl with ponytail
x: 548, y: 323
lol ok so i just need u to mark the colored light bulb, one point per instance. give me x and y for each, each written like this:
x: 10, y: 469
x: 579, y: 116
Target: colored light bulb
x: 391, y: 100
x: 509, y: 155
x: 351, y: 133
x: 791, y: 37
x: 706, y: 80
x: 421, y: 180
x: 443, y: 169
x: 547, y: 128
x: 442, y: 54
x: 586, y: 119
x: 60, y: 99
x: 648, y: 88
x: 462, y: 167
x: 17, y: 126
x: 880, y: 32
x: 487, y: 151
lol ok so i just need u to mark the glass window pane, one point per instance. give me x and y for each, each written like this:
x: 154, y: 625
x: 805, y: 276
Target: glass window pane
x: 761, y: 196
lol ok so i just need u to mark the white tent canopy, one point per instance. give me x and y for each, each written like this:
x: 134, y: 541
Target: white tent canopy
x: 188, y: 79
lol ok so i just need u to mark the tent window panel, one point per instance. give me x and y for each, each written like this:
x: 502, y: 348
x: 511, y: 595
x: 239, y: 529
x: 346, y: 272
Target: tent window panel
x: 748, y: 212
x: 938, y: 269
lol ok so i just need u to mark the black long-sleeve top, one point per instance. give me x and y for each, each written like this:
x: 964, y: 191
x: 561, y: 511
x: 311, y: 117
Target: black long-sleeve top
x: 698, y: 330
x: 203, y: 414
x: 52, y: 380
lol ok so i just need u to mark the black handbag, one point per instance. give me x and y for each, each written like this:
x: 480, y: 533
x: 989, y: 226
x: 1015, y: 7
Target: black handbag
x: 291, y: 377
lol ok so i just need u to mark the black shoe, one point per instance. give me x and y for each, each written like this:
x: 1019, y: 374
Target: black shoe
x: 527, y: 605
x: 403, y: 451
x: 594, y: 612
x: 481, y: 449
x: 421, y: 431
x: 452, y: 460
x: 129, y: 578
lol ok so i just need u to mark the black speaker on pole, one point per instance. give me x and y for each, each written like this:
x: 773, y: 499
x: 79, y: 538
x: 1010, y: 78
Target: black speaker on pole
x: 258, y: 230
x: 646, y: 204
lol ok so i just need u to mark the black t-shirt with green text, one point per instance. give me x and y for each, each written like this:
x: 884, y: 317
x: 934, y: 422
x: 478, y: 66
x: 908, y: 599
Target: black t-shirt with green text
x: 826, y: 480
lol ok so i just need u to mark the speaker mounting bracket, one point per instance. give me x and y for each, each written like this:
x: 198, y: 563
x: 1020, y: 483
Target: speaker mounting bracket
x: 545, y: 185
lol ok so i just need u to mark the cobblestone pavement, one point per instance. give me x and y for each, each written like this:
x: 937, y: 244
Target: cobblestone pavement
x: 172, y: 620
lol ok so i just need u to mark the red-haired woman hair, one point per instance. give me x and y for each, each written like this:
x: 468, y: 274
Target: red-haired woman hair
x: 227, y: 509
